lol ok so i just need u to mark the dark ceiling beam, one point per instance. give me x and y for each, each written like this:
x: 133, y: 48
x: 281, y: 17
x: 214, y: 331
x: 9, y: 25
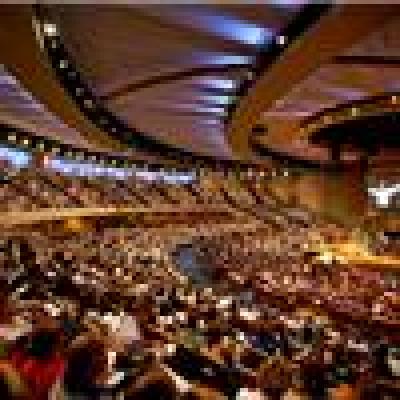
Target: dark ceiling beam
x: 162, y: 79
x: 29, y: 65
x: 369, y: 60
x: 369, y: 133
x: 340, y: 29
x: 347, y: 105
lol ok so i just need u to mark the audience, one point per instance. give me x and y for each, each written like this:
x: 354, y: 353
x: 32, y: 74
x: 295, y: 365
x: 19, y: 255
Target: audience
x: 247, y: 315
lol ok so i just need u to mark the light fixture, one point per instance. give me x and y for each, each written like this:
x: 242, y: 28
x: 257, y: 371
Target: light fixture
x: 281, y: 40
x: 63, y: 64
x: 50, y: 29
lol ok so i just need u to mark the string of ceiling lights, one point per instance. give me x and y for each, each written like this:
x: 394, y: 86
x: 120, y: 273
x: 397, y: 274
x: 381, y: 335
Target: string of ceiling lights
x: 386, y: 103
x: 50, y: 41
x: 33, y: 144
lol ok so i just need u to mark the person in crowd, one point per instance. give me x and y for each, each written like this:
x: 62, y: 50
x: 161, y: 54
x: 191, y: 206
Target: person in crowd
x: 86, y: 374
x: 39, y: 360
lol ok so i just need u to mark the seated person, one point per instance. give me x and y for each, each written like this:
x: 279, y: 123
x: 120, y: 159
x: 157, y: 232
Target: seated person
x: 39, y: 361
x: 86, y: 376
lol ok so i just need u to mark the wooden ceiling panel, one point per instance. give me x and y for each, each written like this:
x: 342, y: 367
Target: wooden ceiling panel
x: 382, y: 43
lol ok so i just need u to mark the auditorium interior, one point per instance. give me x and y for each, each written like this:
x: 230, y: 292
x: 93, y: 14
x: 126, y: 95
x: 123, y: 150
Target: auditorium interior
x: 200, y: 200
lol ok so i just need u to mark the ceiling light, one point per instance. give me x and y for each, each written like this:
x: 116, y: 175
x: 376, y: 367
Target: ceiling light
x: 63, y: 64
x: 220, y: 59
x: 220, y: 83
x: 281, y: 40
x: 219, y: 99
x: 354, y: 111
x: 50, y: 29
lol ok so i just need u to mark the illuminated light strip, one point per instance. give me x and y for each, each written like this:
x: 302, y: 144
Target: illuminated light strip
x: 218, y: 99
x: 387, y: 104
x: 223, y: 25
x: 88, y: 169
x: 220, y: 83
x: 16, y: 157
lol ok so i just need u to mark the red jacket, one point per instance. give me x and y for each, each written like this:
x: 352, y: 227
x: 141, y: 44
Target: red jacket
x: 38, y: 375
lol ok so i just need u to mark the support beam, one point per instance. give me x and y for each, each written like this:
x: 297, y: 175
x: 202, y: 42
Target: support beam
x: 21, y: 55
x: 345, y: 25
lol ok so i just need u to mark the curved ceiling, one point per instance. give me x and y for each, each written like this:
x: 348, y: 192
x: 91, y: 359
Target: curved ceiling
x: 352, y: 54
x: 170, y: 70
x: 20, y: 109
x: 201, y: 77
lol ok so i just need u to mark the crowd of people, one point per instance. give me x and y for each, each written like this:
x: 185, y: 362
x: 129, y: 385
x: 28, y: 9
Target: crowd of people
x: 122, y: 291
x: 34, y: 188
x: 194, y: 312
